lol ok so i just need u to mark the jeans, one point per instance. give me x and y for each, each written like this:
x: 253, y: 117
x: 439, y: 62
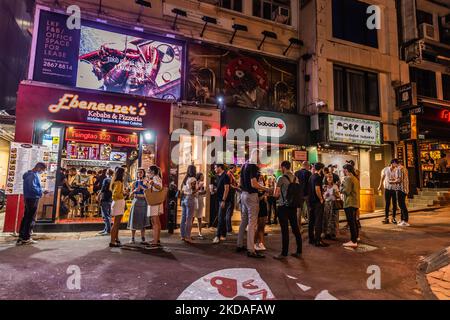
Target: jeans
x: 315, y: 222
x: 388, y: 195
x: 272, y: 201
x: 222, y: 220
x: 229, y: 214
x: 350, y: 213
x: 288, y: 215
x: 249, y: 218
x: 401, y: 196
x: 187, y: 209
x: 105, y: 207
x: 29, y: 216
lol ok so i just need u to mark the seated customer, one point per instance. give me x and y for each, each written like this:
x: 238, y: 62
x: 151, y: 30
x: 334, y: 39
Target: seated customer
x: 81, y: 185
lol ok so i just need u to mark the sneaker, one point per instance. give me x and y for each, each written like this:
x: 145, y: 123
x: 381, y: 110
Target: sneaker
x: 350, y: 245
x: 255, y: 255
x: 31, y: 241
x: 406, y: 224
x: 240, y: 249
x: 132, y: 241
x: 103, y: 233
x: 280, y: 257
x: 216, y: 240
x: 260, y: 247
x: 394, y: 221
x: 223, y: 238
x: 401, y: 224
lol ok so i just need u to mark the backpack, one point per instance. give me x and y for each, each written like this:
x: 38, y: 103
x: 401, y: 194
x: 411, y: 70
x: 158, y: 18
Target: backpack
x: 293, y: 194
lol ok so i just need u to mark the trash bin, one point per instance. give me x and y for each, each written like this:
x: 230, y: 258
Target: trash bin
x: 367, y: 200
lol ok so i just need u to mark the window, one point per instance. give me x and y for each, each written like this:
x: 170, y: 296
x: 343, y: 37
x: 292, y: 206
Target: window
x: 424, y: 17
x: 274, y: 10
x: 425, y: 82
x: 350, y: 23
x: 444, y: 29
x: 235, y: 5
x: 446, y: 86
x: 355, y: 91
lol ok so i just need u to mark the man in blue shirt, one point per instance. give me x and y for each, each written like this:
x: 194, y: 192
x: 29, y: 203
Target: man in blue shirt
x: 32, y: 192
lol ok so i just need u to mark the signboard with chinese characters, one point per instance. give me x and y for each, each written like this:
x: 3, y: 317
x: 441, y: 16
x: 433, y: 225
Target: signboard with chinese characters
x: 353, y: 130
x: 299, y: 155
x: 406, y: 95
x: 23, y: 157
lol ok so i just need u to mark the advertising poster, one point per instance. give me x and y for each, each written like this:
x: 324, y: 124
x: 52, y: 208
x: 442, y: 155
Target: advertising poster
x: 353, y: 130
x: 56, y: 55
x: 106, y: 60
x: 23, y: 157
x: 249, y: 80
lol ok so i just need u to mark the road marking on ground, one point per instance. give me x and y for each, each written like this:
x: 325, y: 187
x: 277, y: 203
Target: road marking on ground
x: 325, y: 295
x: 291, y: 277
x: 303, y: 287
x: 229, y: 284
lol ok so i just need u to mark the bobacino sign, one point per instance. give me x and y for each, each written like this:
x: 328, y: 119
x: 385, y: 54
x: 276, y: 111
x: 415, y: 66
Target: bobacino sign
x: 270, y: 127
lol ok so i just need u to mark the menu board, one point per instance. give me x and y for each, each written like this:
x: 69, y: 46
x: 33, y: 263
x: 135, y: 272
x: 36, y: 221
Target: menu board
x: 23, y: 157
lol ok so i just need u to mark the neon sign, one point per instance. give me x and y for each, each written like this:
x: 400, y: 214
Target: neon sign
x: 445, y: 115
x: 90, y: 136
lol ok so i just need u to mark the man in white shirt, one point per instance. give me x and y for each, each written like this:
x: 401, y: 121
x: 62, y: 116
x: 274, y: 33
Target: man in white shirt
x: 390, y: 182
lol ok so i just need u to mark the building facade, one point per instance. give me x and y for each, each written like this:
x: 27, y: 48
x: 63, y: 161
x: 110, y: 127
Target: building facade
x: 349, y: 66
x: 424, y: 93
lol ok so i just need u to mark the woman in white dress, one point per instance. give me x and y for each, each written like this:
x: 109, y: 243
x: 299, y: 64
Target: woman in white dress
x: 155, y: 182
x: 200, y: 202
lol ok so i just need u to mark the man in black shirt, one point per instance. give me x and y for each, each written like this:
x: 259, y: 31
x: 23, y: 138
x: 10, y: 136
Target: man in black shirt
x: 316, y: 205
x: 249, y: 205
x: 303, y: 176
x: 223, y: 191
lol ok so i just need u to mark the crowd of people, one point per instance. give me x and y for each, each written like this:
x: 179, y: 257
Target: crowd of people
x: 315, y: 194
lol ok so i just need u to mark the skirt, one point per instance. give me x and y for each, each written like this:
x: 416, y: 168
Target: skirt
x: 138, y: 215
x: 118, y: 208
x: 199, y: 205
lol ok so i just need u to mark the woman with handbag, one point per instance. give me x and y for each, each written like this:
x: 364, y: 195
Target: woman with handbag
x: 138, y: 213
x: 117, y: 206
x: 154, y: 183
x: 333, y: 203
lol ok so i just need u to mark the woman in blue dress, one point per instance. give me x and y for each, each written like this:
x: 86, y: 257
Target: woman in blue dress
x: 138, y: 214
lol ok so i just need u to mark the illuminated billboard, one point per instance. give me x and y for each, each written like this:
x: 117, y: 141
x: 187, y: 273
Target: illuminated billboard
x: 105, y: 58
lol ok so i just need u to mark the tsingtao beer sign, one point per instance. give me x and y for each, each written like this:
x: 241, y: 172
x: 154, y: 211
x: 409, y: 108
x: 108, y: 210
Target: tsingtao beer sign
x: 353, y: 130
x: 91, y: 136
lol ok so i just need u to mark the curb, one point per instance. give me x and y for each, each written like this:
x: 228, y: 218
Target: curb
x: 430, y: 264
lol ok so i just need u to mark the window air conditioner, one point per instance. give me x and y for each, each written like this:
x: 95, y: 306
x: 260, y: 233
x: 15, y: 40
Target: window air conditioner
x: 281, y: 15
x: 426, y: 31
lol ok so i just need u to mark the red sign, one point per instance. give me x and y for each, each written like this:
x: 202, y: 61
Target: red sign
x: 445, y: 115
x: 299, y: 155
x: 90, y: 136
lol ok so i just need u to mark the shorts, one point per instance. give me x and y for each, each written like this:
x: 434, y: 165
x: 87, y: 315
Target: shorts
x: 118, y: 208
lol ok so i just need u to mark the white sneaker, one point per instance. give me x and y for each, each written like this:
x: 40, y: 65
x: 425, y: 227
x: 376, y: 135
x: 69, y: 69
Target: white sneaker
x: 406, y: 224
x: 216, y: 240
x: 401, y: 224
x: 350, y: 245
x: 261, y: 247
